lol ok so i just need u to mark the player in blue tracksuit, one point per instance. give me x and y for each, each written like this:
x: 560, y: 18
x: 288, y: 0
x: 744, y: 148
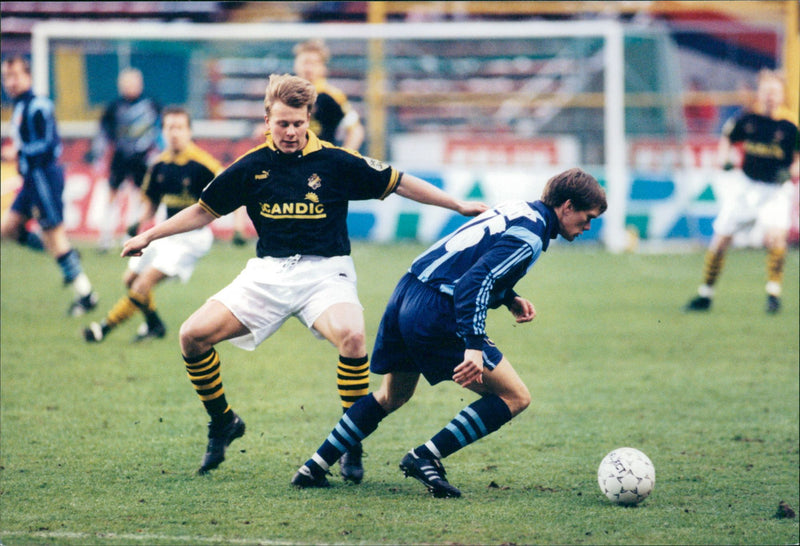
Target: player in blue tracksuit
x: 131, y: 125
x: 435, y: 325
x: 36, y: 148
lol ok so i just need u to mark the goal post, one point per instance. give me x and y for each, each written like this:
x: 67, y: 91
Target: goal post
x: 377, y: 97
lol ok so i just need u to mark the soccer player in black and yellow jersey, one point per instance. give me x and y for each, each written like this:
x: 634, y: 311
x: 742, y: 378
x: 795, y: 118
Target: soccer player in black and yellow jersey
x: 333, y: 118
x: 759, y: 191
x: 296, y: 188
x: 176, y: 180
x: 332, y: 115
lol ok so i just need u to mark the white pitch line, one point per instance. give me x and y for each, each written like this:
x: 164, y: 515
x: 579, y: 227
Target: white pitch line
x: 149, y: 537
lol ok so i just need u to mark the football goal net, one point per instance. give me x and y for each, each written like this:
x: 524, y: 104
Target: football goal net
x: 488, y: 110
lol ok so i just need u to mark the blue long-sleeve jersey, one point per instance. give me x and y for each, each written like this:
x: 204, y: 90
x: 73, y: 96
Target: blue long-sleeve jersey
x: 34, y: 132
x: 130, y: 125
x: 479, y: 264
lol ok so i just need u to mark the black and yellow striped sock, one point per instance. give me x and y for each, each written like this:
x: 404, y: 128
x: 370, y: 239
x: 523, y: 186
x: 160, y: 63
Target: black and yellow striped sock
x: 204, y: 373
x: 714, y: 261
x: 122, y: 311
x: 776, y: 257
x: 147, y: 305
x: 352, y: 379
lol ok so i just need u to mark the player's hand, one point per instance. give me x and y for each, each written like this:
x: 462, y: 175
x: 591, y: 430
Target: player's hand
x: 471, y: 369
x: 134, y: 246
x: 471, y: 208
x: 522, y: 310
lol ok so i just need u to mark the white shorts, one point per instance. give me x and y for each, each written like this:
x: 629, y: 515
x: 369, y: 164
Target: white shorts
x: 270, y: 290
x: 745, y: 202
x: 176, y: 255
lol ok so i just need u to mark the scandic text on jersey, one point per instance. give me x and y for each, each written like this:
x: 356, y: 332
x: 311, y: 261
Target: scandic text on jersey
x: 293, y: 210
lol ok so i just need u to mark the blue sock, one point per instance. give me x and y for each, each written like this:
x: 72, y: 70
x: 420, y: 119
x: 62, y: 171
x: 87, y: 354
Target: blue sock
x: 477, y: 420
x: 360, y: 421
x: 70, y: 264
x: 31, y: 240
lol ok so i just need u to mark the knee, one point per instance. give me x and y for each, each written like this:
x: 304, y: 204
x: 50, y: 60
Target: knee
x: 352, y: 342
x: 775, y: 240
x: 9, y: 230
x: 720, y: 244
x: 517, y: 400
x: 391, y: 401
x: 193, y: 340
x: 128, y: 278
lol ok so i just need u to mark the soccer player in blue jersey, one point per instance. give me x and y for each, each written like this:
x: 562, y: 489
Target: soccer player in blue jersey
x: 435, y: 325
x: 296, y: 188
x: 36, y: 148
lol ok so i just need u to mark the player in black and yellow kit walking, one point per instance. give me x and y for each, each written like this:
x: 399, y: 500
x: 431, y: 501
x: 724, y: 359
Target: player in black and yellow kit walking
x: 176, y: 179
x: 296, y: 188
x: 760, y: 192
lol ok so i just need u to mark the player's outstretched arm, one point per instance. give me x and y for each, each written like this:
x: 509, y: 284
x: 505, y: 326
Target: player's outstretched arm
x: 416, y: 189
x: 190, y: 218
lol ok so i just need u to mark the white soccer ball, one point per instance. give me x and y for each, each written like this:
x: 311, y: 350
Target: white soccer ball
x: 626, y: 476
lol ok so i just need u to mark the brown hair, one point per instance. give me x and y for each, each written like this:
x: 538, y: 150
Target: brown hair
x: 175, y: 111
x: 576, y: 185
x: 291, y: 90
x: 18, y: 59
x: 313, y: 46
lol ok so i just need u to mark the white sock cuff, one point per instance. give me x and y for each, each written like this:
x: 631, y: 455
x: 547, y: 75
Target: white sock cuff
x: 81, y: 285
x: 432, y: 448
x: 320, y: 461
x: 705, y: 291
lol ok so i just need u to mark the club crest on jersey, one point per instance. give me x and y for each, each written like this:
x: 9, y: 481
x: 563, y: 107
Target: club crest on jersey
x: 314, y: 181
x: 262, y: 176
x: 376, y: 164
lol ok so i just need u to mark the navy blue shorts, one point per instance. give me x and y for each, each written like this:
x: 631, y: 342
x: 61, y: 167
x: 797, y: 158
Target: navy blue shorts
x: 41, y: 196
x: 418, y: 334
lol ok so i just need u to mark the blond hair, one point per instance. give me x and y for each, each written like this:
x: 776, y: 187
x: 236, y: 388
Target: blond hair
x: 291, y: 90
x: 313, y: 46
x: 767, y: 74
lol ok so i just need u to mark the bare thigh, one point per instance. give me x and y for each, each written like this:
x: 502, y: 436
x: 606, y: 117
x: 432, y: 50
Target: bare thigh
x: 207, y: 326
x: 343, y: 325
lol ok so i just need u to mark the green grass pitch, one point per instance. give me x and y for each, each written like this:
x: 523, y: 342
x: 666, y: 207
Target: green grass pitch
x: 100, y: 442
